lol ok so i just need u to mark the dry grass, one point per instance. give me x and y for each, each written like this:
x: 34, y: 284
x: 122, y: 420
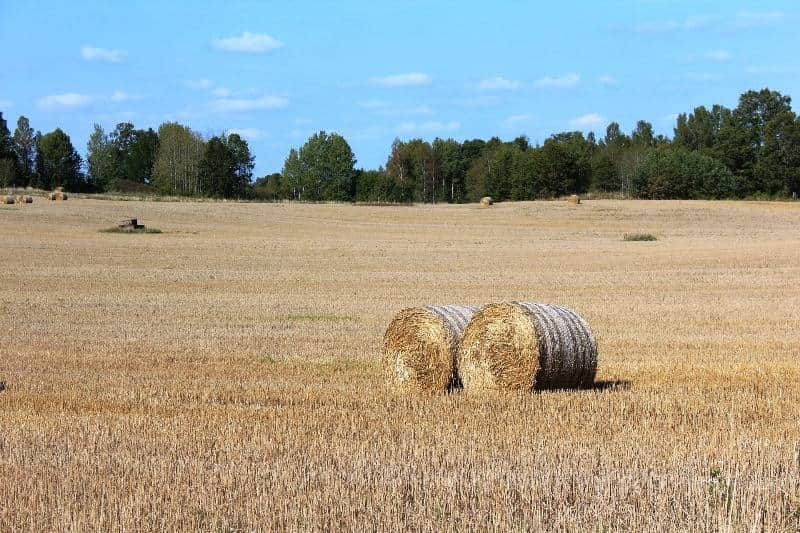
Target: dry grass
x: 165, y: 384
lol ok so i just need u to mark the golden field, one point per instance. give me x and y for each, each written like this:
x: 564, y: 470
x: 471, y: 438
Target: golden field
x: 223, y: 375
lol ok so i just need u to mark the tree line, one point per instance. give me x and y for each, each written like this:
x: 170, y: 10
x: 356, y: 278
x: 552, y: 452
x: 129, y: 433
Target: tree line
x: 752, y: 150
x: 173, y: 160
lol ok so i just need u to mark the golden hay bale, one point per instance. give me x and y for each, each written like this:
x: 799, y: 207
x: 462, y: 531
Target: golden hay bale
x: 51, y: 196
x: 486, y: 201
x: 574, y: 199
x: 527, y: 346
x: 19, y: 199
x: 28, y: 199
x: 8, y: 199
x: 420, y: 346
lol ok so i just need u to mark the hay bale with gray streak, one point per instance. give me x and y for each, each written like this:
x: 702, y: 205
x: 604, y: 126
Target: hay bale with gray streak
x: 8, y: 199
x: 420, y: 347
x: 486, y: 201
x: 527, y: 346
x: 574, y: 199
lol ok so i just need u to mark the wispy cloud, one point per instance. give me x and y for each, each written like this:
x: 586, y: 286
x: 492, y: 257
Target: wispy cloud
x: 120, y: 96
x: 248, y: 133
x: 428, y: 127
x: 92, y: 53
x: 718, y: 55
x: 251, y: 43
x: 737, y: 21
x: 607, y: 80
x: 221, y: 92
x: 559, y: 82
x: 498, y: 83
x: 751, y: 19
x: 587, y: 121
x: 408, y: 79
x: 232, y: 105
x: 382, y: 107
x: 199, y: 84
x: 516, y: 120
x: 63, y: 101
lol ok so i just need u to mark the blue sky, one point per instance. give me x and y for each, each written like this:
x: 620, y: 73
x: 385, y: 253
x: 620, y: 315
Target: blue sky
x: 372, y: 71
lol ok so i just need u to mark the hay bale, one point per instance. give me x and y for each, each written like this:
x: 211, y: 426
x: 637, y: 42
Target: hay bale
x: 28, y: 199
x: 19, y: 199
x: 9, y: 199
x: 486, y: 201
x: 59, y: 189
x: 527, y: 346
x: 51, y: 196
x: 574, y: 199
x: 420, y: 347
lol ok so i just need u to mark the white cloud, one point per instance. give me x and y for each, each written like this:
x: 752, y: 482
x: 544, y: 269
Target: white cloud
x: 750, y: 19
x: 402, y: 80
x: 200, y: 84
x: 718, y: 55
x: 498, y: 83
x: 607, y: 80
x: 515, y: 120
x: 689, y: 23
x: 248, y: 133
x: 253, y: 43
x: 382, y: 107
x: 429, y: 127
x: 92, y: 53
x: 120, y: 96
x: 562, y: 82
x: 63, y: 101
x: 230, y: 105
x: 587, y: 121
x: 221, y: 92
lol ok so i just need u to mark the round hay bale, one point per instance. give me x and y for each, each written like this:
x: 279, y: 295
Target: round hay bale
x: 9, y: 199
x: 59, y: 189
x: 28, y: 199
x: 420, y: 347
x: 526, y: 346
x: 574, y: 199
x: 486, y: 201
x: 51, y: 196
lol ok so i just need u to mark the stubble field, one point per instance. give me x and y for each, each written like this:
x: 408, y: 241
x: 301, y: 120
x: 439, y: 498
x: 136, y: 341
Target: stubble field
x: 223, y: 375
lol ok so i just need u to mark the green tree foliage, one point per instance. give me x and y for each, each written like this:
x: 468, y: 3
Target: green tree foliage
x: 177, y: 164
x: 8, y: 157
x: 101, y: 158
x: 226, y: 168
x: 323, y: 169
x: 135, y: 152
x: 25, y: 150
x: 58, y: 164
x: 673, y: 172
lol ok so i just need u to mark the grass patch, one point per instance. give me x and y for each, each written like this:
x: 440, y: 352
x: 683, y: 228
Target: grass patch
x: 116, y: 229
x: 639, y: 237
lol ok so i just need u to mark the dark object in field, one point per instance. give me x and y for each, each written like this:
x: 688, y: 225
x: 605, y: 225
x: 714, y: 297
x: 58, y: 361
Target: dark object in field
x: 2, y: 386
x: 638, y: 237
x: 130, y: 224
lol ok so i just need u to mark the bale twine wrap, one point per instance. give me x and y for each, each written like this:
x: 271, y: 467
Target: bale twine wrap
x: 527, y: 346
x: 420, y: 347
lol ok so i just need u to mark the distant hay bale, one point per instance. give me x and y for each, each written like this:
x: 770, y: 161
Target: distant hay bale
x: 486, y: 201
x: 19, y: 199
x: 420, y: 346
x: 51, y: 196
x: 59, y: 189
x: 574, y: 199
x: 526, y: 346
x: 9, y: 199
x: 58, y: 194
x: 28, y: 199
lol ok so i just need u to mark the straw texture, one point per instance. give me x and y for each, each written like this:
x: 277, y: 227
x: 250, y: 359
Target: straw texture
x: 420, y: 347
x: 527, y: 346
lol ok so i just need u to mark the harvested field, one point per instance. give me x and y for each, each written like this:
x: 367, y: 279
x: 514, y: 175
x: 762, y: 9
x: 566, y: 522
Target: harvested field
x: 225, y: 374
